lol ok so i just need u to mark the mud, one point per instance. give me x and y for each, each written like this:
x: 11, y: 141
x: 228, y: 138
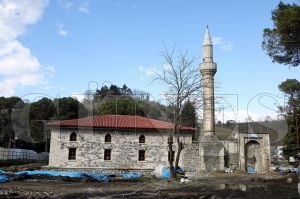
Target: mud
x: 216, y: 185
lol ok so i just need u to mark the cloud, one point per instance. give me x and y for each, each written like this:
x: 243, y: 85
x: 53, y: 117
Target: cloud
x: 15, y: 15
x: 167, y: 67
x: 216, y: 40
x: 60, y: 30
x: 65, y: 5
x: 151, y: 71
x: 141, y: 68
x: 134, y: 6
x: 50, y: 68
x: 18, y: 67
x: 77, y: 96
x: 241, y: 116
x: 84, y: 6
x: 224, y: 45
x: 227, y: 46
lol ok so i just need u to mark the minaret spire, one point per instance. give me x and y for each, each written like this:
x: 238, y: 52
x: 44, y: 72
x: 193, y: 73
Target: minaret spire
x: 207, y: 40
x: 207, y: 47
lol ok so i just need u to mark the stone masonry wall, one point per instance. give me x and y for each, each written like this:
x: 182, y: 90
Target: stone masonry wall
x: 90, y: 146
x: 231, y: 154
x: 190, y: 157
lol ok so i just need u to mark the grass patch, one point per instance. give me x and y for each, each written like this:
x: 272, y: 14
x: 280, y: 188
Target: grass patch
x: 8, y: 163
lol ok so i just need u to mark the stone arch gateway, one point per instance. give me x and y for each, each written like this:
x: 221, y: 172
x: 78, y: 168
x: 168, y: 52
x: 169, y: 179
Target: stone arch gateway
x: 254, y: 152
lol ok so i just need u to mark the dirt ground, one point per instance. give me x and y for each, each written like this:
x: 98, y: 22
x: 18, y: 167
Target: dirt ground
x: 215, y: 185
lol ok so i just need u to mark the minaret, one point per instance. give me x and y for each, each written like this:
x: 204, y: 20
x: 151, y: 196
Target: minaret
x: 208, y: 69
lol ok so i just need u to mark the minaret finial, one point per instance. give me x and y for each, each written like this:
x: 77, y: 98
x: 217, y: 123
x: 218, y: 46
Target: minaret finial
x: 207, y: 40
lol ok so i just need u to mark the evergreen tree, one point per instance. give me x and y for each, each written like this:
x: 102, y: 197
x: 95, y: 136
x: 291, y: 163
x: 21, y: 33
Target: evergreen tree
x: 282, y: 43
x: 291, y: 87
x: 189, y: 117
x: 130, y: 107
x: 290, y: 140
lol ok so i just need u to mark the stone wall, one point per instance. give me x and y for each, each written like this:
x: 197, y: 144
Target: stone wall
x: 211, y: 152
x: 124, y: 145
x: 99, y: 170
x: 190, y: 157
x: 231, y: 154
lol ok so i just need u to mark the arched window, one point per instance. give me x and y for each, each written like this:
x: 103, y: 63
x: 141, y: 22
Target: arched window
x: 73, y: 136
x: 142, y: 139
x: 108, y: 138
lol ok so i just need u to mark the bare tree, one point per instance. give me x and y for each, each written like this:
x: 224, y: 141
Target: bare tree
x: 88, y: 101
x: 182, y: 77
x: 88, y: 94
x: 140, y: 94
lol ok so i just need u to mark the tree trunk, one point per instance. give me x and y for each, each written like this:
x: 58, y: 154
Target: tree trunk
x: 180, y: 147
x: 173, y: 169
x: 172, y: 173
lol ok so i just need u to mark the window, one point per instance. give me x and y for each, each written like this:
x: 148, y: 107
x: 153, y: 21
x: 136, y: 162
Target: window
x: 173, y: 155
x: 73, y: 136
x: 107, y: 154
x: 72, y: 154
x: 142, y: 139
x: 108, y: 138
x: 142, y: 156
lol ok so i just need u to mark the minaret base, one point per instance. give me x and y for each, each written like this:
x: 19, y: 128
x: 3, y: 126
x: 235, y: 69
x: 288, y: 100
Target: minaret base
x: 211, y: 152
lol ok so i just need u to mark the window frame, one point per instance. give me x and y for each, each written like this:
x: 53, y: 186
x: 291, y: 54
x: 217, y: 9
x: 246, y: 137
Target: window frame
x: 107, y: 138
x: 142, y: 139
x: 73, y: 137
x: 72, y: 154
x: 105, y: 155
x: 142, y: 157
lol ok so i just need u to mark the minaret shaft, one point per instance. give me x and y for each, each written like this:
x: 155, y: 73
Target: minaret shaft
x: 208, y: 105
x: 208, y: 69
x: 208, y: 53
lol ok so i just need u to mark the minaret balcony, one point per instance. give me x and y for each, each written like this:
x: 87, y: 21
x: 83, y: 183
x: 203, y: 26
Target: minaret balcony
x: 208, y: 66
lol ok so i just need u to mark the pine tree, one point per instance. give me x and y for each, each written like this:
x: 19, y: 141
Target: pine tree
x: 291, y: 87
x: 290, y: 139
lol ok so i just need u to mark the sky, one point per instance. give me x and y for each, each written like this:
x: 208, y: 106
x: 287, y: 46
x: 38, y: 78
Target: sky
x: 61, y: 48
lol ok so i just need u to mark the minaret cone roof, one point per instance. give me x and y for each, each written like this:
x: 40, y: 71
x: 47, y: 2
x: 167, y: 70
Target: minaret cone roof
x: 207, y: 40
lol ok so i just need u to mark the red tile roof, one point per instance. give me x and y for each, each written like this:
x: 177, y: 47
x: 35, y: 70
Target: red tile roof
x: 119, y: 122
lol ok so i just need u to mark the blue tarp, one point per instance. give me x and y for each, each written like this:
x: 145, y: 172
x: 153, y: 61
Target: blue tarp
x: 50, y: 173
x: 100, y: 177
x: 4, y: 179
x: 251, y: 170
x: 295, y: 171
x: 281, y: 172
x: 166, y: 173
x: 131, y: 175
x: 1, y: 171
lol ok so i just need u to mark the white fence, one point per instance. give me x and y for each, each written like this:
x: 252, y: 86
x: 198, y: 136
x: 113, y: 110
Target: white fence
x: 12, y: 154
